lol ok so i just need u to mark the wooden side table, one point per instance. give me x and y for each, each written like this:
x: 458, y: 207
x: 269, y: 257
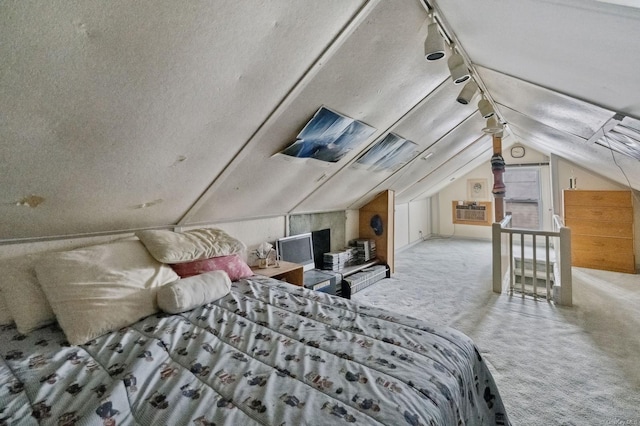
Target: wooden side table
x: 287, y: 271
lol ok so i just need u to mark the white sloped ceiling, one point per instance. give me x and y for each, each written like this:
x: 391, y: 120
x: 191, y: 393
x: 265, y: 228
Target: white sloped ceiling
x: 109, y: 106
x: 558, y: 71
x: 123, y: 115
x: 374, y: 75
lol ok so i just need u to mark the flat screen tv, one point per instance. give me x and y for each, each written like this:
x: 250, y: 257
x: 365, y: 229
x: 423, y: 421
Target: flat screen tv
x: 321, y: 245
x: 297, y: 249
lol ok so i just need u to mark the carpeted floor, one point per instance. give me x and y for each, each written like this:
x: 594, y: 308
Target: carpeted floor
x: 554, y: 365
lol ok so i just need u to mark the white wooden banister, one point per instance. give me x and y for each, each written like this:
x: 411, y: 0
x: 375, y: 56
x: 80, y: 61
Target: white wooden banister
x: 503, y: 264
x: 564, y: 263
x: 498, y: 255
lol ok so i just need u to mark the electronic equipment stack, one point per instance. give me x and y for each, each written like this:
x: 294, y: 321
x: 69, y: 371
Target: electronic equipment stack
x: 337, y: 260
x: 365, y: 249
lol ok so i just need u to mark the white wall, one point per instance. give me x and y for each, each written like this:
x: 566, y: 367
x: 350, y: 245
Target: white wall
x: 401, y: 231
x: 412, y: 222
x: 352, y: 226
x: 419, y: 220
x: 457, y: 191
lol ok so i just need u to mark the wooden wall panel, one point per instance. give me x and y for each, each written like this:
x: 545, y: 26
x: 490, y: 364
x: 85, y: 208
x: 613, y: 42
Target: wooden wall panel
x: 601, y: 224
x: 384, y: 205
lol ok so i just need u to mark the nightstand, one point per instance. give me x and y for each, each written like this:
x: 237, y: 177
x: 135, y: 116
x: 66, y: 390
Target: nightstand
x: 287, y: 271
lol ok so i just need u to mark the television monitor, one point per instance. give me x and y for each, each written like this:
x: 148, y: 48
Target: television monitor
x: 321, y: 245
x: 297, y: 249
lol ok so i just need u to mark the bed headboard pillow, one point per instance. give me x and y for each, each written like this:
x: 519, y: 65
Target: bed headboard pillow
x: 189, y: 293
x: 97, y: 289
x: 179, y: 247
x: 5, y: 315
x: 235, y: 267
x: 29, y: 306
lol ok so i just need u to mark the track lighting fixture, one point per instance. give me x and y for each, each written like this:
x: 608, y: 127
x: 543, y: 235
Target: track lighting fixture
x: 493, y: 127
x: 468, y: 92
x: 434, y: 43
x: 457, y: 68
x: 485, y: 108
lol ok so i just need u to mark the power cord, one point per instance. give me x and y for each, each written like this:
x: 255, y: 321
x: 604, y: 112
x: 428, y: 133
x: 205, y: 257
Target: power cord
x: 613, y: 156
x: 443, y: 237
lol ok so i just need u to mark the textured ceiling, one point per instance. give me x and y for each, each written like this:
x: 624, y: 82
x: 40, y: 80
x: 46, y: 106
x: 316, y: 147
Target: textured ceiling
x: 121, y: 115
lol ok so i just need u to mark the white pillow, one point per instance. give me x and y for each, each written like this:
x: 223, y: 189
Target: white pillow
x: 5, y: 315
x: 179, y: 247
x: 29, y: 306
x: 97, y: 289
x: 189, y: 293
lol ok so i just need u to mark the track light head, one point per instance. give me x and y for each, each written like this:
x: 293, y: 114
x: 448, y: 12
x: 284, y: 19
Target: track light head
x: 493, y: 127
x: 485, y: 108
x: 434, y: 44
x: 468, y: 92
x: 457, y: 68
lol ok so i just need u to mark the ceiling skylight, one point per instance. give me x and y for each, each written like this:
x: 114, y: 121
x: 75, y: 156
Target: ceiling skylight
x: 623, y: 138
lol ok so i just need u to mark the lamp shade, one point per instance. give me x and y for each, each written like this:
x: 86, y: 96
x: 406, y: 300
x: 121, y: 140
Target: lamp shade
x: 468, y: 92
x: 485, y: 108
x: 458, y: 69
x: 434, y: 44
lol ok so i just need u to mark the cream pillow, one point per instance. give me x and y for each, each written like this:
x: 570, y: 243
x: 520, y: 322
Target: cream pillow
x: 179, y: 247
x: 29, y: 307
x: 5, y: 315
x: 97, y: 289
x: 189, y: 293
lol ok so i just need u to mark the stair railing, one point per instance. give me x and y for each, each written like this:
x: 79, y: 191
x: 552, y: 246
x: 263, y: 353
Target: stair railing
x: 563, y: 265
x: 558, y: 240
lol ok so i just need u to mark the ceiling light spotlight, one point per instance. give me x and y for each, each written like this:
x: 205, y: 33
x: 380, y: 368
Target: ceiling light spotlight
x: 493, y: 126
x: 457, y: 68
x: 468, y: 92
x: 434, y: 44
x: 485, y: 108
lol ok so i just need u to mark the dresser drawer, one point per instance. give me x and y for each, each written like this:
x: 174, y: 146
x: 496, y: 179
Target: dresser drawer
x: 599, y: 198
x: 601, y: 229
x: 617, y: 262
x: 599, y: 213
x: 607, y: 244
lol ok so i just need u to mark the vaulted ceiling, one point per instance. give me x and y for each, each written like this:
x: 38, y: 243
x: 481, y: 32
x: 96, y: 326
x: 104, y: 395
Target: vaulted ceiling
x: 119, y: 115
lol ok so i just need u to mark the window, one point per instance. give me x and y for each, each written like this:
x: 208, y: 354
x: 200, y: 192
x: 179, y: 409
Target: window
x: 523, y: 198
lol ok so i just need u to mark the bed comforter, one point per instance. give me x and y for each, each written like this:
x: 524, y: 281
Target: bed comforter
x: 268, y: 353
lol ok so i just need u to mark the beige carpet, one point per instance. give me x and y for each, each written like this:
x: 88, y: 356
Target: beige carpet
x: 553, y: 365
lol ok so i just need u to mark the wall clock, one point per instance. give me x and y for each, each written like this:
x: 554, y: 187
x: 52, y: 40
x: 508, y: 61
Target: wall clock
x: 517, y: 151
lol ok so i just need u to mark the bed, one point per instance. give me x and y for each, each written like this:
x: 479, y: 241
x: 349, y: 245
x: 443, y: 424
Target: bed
x: 265, y: 353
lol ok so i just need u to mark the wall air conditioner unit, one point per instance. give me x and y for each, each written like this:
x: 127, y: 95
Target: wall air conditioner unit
x: 471, y: 212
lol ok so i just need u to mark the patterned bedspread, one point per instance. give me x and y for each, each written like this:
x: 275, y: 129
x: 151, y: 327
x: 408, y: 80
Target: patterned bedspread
x: 268, y: 353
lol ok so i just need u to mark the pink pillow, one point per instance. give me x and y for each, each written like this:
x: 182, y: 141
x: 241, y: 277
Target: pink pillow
x: 233, y: 265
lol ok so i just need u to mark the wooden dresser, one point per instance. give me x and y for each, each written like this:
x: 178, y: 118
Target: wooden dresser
x: 601, y: 224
